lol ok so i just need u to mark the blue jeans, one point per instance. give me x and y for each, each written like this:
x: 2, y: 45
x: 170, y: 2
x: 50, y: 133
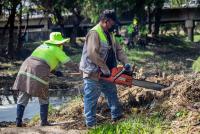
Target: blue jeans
x: 92, y: 91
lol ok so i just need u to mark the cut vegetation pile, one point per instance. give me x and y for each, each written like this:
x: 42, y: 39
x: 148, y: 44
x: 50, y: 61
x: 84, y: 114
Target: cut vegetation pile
x: 178, y: 108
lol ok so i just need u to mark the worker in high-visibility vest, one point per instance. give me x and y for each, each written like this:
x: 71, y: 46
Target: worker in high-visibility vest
x: 101, y: 54
x: 33, y: 77
x: 135, y: 27
x: 133, y: 32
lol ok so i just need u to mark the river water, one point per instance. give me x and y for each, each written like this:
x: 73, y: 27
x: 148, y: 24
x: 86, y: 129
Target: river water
x: 8, y: 111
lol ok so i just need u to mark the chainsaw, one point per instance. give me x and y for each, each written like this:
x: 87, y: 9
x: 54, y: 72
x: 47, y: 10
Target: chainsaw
x: 120, y: 76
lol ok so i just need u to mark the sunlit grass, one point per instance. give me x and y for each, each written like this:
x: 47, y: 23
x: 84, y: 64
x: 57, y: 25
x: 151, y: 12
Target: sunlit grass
x: 138, y: 55
x: 197, y: 38
x: 6, y: 64
x: 137, y: 124
x: 36, y: 118
x: 71, y: 106
x: 9, y: 72
x: 9, y: 68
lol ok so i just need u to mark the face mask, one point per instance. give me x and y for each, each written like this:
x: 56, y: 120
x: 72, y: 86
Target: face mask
x: 112, y: 28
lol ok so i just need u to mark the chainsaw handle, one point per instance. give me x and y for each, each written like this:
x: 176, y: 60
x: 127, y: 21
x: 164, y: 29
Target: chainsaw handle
x: 121, y: 72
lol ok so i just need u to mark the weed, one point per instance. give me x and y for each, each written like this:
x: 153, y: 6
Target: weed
x: 182, y: 113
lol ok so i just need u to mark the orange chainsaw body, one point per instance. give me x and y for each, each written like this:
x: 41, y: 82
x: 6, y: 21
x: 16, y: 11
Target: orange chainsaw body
x: 120, y: 78
x: 119, y: 75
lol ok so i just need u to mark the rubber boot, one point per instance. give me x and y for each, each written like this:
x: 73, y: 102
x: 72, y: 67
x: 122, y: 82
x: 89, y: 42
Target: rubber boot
x: 20, y: 113
x: 44, y: 115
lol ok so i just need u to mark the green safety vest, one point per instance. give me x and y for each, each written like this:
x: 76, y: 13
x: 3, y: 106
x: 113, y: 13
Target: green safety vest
x: 52, y: 54
x: 130, y: 29
x: 85, y: 63
x: 101, y: 34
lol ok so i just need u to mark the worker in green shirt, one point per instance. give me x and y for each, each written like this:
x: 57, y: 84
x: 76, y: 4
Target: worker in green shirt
x: 133, y: 31
x: 33, y: 77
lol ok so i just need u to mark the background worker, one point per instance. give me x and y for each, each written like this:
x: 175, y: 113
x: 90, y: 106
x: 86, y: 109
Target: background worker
x: 33, y: 77
x: 100, y: 54
x: 133, y: 32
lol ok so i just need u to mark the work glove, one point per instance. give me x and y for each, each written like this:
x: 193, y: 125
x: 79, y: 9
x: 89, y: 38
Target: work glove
x: 128, y: 67
x: 58, y: 73
x: 105, y: 72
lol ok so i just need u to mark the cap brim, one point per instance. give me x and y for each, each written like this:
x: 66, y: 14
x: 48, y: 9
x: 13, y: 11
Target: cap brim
x: 56, y: 42
x: 117, y: 22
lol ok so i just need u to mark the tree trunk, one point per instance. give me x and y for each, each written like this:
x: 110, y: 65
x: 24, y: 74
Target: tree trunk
x: 5, y: 29
x: 60, y: 22
x: 74, y: 35
x: 19, y: 43
x: 76, y: 22
x: 26, y: 27
x: 149, y: 15
x: 11, y: 31
x: 140, y: 11
x: 157, y: 12
x: 1, y: 8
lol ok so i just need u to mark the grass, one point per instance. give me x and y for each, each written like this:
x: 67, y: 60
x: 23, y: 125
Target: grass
x: 183, y: 47
x: 9, y: 72
x: 71, y: 106
x: 181, y: 113
x: 34, y: 120
x: 52, y: 110
x: 6, y: 64
x: 36, y: 117
x: 76, y: 58
x: 137, y: 55
x: 137, y: 124
x: 8, y: 68
x: 134, y: 55
x: 164, y: 65
x: 196, y: 38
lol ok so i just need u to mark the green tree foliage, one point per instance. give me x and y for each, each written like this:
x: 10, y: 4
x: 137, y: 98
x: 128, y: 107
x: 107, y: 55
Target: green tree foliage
x: 77, y: 9
x: 92, y: 9
x: 61, y: 9
x: 178, y: 3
